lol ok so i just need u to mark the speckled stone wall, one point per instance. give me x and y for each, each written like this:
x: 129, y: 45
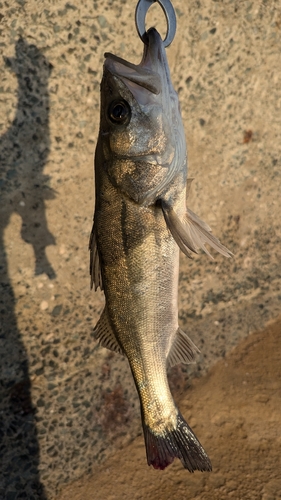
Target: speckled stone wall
x: 65, y: 403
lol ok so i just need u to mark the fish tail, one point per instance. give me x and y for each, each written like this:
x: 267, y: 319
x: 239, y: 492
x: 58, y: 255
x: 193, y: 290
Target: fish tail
x: 181, y: 442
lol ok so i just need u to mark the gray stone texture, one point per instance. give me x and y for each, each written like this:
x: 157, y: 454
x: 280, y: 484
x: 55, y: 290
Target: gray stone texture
x: 65, y: 403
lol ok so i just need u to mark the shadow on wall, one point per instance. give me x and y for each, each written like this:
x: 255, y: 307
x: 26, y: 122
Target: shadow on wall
x: 24, y: 149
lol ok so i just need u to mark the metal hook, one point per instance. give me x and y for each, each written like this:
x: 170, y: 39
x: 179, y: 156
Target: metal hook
x: 168, y: 9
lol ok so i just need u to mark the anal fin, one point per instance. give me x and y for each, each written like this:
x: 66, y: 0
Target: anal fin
x: 104, y: 333
x: 182, y: 350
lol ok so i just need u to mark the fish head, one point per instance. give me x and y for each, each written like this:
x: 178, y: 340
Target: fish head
x: 141, y: 131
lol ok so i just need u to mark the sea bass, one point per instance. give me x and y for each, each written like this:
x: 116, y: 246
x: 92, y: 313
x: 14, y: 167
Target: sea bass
x: 140, y: 222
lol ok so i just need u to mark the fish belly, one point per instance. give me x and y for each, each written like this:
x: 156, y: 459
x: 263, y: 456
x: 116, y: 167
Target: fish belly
x: 139, y: 264
x: 140, y: 275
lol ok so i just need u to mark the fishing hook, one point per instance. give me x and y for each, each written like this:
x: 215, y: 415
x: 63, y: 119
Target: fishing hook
x: 168, y: 9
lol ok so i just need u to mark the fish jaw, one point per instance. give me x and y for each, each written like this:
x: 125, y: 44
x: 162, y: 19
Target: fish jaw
x: 144, y: 155
x: 152, y: 73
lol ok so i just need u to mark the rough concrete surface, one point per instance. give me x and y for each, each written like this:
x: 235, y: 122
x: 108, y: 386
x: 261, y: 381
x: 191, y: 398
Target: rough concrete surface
x: 235, y: 409
x: 66, y: 405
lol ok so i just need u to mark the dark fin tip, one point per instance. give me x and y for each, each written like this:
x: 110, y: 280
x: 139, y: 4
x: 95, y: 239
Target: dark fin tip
x: 179, y: 443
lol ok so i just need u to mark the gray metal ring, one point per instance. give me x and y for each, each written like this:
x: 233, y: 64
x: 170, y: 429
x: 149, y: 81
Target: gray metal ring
x: 168, y: 9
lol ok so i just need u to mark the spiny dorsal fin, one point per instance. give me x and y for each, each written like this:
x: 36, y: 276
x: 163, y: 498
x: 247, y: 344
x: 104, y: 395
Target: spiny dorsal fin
x: 182, y: 350
x: 188, y: 185
x: 95, y: 270
x: 192, y: 233
x: 104, y: 333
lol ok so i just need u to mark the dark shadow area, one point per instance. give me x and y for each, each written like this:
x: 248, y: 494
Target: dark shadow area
x: 24, y: 149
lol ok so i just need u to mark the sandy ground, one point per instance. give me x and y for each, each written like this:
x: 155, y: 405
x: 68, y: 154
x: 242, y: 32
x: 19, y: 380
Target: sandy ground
x: 236, y: 411
x: 67, y: 405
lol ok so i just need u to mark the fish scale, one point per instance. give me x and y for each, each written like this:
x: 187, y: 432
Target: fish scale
x: 136, y: 279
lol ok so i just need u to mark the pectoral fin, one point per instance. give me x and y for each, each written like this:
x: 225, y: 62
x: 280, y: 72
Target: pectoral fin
x: 192, y: 233
x: 104, y: 333
x: 182, y: 350
x: 95, y: 270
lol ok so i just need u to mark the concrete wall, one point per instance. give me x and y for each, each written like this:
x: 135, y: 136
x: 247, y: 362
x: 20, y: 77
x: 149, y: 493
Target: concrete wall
x: 66, y: 403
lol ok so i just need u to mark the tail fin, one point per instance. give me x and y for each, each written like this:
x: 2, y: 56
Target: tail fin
x: 179, y: 443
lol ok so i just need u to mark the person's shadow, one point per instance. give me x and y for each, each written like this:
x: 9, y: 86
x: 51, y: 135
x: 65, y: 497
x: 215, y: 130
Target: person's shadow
x: 24, y: 149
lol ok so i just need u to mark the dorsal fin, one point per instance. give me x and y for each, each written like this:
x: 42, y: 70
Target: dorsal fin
x: 104, y: 333
x: 95, y: 269
x: 188, y: 185
x: 182, y: 350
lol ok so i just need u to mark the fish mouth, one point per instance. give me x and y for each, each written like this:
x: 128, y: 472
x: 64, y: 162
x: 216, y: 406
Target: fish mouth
x: 149, y: 73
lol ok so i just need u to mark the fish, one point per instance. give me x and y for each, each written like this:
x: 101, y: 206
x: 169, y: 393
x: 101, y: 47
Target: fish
x: 140, y: 223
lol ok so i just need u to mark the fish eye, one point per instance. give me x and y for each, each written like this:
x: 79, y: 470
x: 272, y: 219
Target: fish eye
x: 119, y: 112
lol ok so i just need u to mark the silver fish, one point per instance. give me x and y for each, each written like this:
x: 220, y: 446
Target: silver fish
x: 140, y: 222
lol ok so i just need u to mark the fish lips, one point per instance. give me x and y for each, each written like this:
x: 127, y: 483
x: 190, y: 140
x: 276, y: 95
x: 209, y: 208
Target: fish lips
x: 152, y: 74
